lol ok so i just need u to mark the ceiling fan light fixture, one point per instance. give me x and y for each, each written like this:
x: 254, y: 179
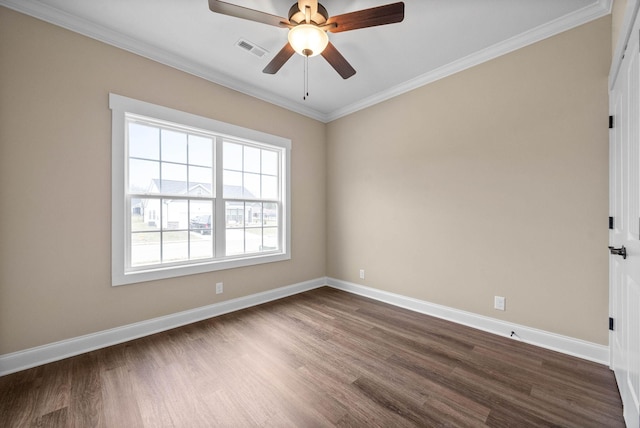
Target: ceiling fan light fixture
x: 308, y: 39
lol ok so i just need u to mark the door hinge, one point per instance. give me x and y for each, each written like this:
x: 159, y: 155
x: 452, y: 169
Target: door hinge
x: 610, y: 223
x: 610, y: 323
x: 610, y: 122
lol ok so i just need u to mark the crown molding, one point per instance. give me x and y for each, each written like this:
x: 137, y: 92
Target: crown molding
x: 62, y: 19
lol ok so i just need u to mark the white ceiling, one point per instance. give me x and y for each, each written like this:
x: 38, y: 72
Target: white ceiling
x: 436, y: 38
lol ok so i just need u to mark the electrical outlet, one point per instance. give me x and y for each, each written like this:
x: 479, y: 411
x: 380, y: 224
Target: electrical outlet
x: 498, y: 303
x: 219, y: 287
x: 361, y: 273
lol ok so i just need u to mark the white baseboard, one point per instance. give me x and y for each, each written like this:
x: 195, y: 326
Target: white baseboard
x: 544, y: 339
x: 28, y: 358
x: 33, y: 357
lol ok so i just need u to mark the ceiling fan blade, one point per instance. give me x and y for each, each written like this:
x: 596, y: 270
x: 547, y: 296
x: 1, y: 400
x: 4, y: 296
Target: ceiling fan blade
x: 381, y: 15
x: 337, y: 61
x: 279, y: 60
x: 246, y: 13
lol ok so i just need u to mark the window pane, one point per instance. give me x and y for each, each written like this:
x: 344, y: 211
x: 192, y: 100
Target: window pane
x: 200, y: 151
x: 234, y: 213
x: 251, y: 188
x: 201, y: 208
x: 144, y: 176
x: 201, y: 246
x: 145, y: 248
x: 269, y: 162
x: 175, y: 214
x: 144, y: 141
x: 175, y: 246
x: 145, y: 214
x: 202, y: 224
x: 200, y: 181
x: 251, y: 159
x: 270, y: 239
x: 270, y: 214
x: 269, y: 187
x: 201, y: 237
x: 253, y: 240
x: 232, y: 187
x: 201, y: 217
x: 174, y: 179
x: 254, y: 214
x: 174, y: 146
x: 235, y: 242
x: 232, y: 156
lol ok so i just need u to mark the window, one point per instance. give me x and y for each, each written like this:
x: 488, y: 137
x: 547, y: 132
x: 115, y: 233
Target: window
x: 192, y: 195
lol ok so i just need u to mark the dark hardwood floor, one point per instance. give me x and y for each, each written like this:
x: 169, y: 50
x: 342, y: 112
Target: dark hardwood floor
x: 321, y: 358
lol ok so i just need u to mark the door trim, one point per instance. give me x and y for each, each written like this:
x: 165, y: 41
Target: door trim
x: 629, y: 19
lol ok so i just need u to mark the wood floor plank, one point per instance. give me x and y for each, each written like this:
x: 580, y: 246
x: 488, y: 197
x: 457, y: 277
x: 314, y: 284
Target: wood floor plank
x: 317, y: 359
x: 53, y: 389
x: 577, y: 402
x: 18, y: 404
x: 57, y: 418
x: 120, y: 404
x: 149, y: 388
x: 85, y: 402
x: 429, y: 373
x: 502, y: 396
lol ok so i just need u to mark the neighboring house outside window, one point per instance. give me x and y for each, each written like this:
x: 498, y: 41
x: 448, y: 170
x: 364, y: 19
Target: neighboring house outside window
x: 192, y: 194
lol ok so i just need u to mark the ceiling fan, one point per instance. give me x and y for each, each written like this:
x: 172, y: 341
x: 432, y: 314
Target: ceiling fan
x: 308, y: 24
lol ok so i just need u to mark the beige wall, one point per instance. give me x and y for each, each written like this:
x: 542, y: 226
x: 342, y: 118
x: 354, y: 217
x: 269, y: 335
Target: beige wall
x: 55, y: 136
x: 489, y: 182
x: 492, y: 181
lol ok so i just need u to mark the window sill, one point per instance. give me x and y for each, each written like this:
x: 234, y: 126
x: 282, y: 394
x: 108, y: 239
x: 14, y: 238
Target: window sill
x: 157, y: 273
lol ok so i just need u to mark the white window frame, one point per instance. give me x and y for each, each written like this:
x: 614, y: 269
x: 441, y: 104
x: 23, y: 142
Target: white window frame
x: 120, y: 274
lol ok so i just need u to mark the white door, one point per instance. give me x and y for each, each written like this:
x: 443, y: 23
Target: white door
x: 625, y: 236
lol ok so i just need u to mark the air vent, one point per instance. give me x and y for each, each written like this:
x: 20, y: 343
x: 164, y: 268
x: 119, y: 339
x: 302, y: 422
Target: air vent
x: 252, y: 48
x: 245, y: 45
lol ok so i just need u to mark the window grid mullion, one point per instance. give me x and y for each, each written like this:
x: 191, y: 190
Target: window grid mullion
x: 188, y: 203
x: 281, y: 196
x: 244, y: 203
x: 220, y: 236
x: 161, y: 198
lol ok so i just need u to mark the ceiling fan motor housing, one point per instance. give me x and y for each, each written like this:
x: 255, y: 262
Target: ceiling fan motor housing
x: 297, y: 16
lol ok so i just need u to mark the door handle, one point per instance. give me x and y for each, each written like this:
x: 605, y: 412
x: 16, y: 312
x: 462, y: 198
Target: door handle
x: 622, y: 251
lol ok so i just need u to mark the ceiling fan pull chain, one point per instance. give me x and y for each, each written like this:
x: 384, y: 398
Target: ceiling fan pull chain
x: 306, y: 77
